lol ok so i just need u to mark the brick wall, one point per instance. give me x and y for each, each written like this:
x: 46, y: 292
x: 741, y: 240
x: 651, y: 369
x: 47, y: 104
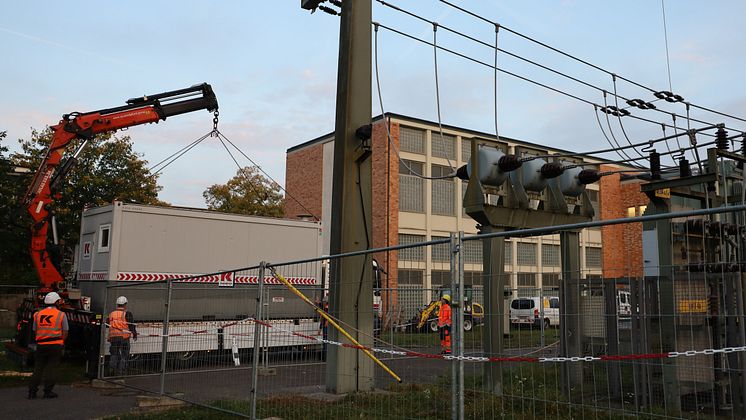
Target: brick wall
x: 304, y: 181
x: 622, y: 244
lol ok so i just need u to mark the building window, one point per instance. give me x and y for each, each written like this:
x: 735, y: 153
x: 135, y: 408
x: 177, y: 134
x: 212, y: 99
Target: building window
x: 411, y: 187
x: 443, y: 191
x: 473, y: 278
x: 104, y: 238
x: 465, y: 150
x: 443, y: 147
x: 472, y: 252
x: 593, y: 257
x: 526, y: 253
x: 411, y: 254
x: 413, y: 277
x: 636, y: 211
x: 411, y: 140
x: 441, y: 252
x: 440, y: 278
x: 508, y: 253
x: 550, y: 255
x: 550, y: 280
x: 527, y: 280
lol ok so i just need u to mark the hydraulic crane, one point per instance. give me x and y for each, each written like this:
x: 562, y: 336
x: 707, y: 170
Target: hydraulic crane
x: 43, y: 191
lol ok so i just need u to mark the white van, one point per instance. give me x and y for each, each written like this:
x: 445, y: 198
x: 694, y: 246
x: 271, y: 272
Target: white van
x: 527, y: 311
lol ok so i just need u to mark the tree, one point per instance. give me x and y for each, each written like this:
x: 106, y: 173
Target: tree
x: 108, y: 169
x: 246, y: 193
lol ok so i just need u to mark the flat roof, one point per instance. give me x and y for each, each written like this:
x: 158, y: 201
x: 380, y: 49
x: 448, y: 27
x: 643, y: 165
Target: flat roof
x: 475, y: 133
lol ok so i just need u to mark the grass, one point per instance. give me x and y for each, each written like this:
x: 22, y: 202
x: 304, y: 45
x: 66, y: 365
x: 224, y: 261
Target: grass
x: 519, y: 338
x: 525, y: 390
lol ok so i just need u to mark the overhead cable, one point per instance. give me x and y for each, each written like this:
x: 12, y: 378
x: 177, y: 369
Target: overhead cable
x: 568, y: 55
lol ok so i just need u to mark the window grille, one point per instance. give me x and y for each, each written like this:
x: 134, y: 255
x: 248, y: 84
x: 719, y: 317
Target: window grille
x: 411, y: 187
x: 412, y: 277
x: 441, y: 252
x: 443, y: 192
x: 526, y: 253
x: 411, y: 254
x: 550, y: 280
x: 527, y: 280
x: 550, y: 255
x: 465, y: 150
x: 443, y: 147
x: 472, y: 252
x: 593, y: 257
x: 440, y: 278
x: 508, y: 253
x: 411, y: 140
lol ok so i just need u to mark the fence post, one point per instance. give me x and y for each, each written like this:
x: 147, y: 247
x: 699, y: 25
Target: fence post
x: 102, y: 338
x: 164, y: 345
x: 457, y: 326
x: 257, y: 339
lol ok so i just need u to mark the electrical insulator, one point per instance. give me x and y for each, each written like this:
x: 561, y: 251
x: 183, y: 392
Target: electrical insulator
x: 655, y: 165
x: 721, y: 139
x: 684, y: 169
x: 532, y: 177
x: 552, y: 170
x: 490, y: 172
x: 570, y: 183
x: 588, y: 176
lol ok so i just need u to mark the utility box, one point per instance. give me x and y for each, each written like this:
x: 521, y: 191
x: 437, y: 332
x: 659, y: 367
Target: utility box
x: 125, y: 243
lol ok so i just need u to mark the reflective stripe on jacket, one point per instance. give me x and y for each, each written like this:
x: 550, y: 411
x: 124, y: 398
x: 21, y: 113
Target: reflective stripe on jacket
x: 444, y: 315
x: 48, y: 322
x: 118, y: 326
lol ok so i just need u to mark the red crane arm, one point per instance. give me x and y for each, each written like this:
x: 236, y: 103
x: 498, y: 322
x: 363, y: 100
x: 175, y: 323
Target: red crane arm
x: 41, y: 195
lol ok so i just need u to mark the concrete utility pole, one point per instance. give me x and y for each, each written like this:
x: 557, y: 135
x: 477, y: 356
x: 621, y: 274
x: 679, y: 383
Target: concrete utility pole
x: 351, y: 285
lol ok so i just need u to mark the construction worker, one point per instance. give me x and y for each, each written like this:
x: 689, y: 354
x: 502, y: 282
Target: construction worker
x: 50, y: 325
x: 444, y: 324
x: 121, y: 329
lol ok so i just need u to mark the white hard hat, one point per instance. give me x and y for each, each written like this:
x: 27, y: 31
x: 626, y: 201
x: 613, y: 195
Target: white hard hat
x: 121, y: 300
x: 51, y: 298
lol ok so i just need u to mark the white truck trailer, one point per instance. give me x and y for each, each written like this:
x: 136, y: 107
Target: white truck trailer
x: 125, y: 243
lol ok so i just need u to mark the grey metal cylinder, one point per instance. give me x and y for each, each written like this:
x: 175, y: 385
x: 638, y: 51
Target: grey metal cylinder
x: 489, y: 173
x: 569, y: 183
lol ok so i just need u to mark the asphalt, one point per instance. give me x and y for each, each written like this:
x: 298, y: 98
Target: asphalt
x: 74, y: 402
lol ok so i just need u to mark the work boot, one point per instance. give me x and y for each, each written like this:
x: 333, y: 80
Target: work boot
x: 32, y: 394
x: 50, y: 394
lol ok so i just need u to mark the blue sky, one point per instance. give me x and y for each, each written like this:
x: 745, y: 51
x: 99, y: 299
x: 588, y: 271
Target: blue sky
x: 273, y: 68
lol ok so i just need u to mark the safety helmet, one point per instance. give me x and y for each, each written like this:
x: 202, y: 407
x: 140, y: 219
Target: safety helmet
x: 51, y: 298
x: 121, y: 300
x: 447, y: 298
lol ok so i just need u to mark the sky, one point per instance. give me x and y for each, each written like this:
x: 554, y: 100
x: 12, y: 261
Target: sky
x: 273, y: 68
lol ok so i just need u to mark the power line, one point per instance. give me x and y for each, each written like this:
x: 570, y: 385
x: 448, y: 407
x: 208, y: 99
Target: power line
x: 526, y: 79
x: 534, y: 63
x: 568, y: 55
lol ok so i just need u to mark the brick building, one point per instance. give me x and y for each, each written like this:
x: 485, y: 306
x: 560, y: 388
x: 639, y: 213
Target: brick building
x: 409, y: 209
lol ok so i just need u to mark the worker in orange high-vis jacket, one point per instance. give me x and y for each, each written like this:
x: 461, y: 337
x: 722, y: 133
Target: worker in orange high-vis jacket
x: 50, y: 327
x: 444, y: 324
x: 121, y: 329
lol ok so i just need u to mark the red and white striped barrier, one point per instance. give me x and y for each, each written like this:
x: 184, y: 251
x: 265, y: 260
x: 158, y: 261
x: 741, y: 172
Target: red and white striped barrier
x: 212, y: 278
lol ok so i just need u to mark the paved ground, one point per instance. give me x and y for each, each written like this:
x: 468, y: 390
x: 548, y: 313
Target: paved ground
x: 75, y: 402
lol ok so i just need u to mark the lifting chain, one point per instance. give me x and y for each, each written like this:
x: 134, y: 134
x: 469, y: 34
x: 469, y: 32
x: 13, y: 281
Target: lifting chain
x: 215, y: 131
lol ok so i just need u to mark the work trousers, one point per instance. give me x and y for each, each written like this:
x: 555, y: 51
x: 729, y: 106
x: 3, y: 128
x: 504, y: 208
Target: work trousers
x: 120, y: 353
x: 46, y: 359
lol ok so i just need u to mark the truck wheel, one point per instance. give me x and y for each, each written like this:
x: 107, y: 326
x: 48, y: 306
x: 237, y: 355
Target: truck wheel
x: 468, y: 324
x: 434, y: 325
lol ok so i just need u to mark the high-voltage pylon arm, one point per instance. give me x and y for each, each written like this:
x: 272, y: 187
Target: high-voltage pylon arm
x: 43, y: 190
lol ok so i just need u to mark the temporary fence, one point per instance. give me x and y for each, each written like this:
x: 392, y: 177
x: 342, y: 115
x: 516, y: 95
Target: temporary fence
x: 631, y: 336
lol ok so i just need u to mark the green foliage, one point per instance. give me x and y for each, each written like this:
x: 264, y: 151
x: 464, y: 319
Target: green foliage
x: 246, y: 193
x: 108, y: 169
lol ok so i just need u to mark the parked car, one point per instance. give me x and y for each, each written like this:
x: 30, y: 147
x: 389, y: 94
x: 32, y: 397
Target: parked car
x: 528, y: 311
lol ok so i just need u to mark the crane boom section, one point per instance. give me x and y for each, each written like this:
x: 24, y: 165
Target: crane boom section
x: 41, y: 193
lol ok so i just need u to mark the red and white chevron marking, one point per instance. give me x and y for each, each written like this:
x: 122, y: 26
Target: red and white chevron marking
x: 198, y: 278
